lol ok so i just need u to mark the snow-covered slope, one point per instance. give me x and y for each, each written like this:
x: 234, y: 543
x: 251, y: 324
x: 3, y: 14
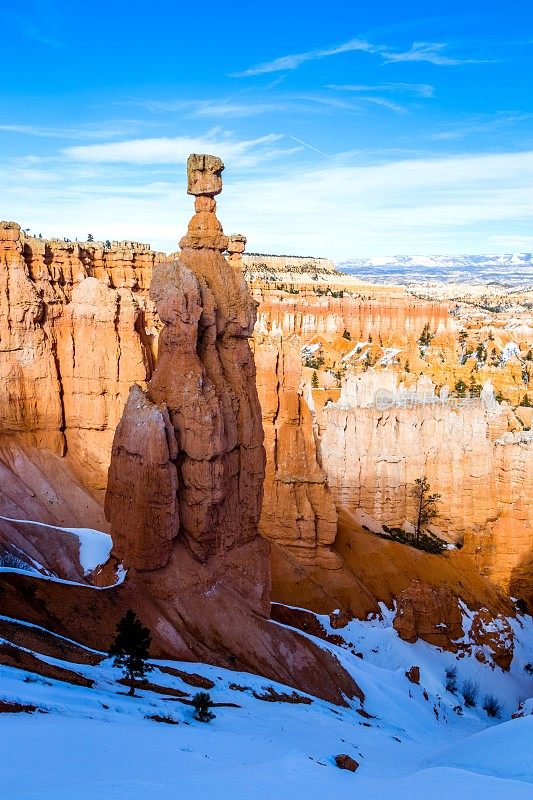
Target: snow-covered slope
x: 509, y: 270
x: 96, y: 742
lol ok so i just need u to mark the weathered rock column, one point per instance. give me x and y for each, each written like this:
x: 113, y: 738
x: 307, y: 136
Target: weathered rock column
x: 188, y: 457
x: 235, y: 249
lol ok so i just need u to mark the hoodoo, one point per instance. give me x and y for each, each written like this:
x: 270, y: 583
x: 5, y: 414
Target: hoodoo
x: 187, y: 468
x: 188, y: 458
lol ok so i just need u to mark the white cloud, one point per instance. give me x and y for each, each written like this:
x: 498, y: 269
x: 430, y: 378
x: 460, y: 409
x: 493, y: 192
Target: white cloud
x: 174, y: 150
x: 385, y: 103
x: 493, y: 123
x: 88, y: 132
x: 431, y: 52
x: 419, y: 89
x: 339, y: 209
x: 294, y: 61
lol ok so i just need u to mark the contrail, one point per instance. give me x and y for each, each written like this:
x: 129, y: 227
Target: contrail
x: 305, y: 144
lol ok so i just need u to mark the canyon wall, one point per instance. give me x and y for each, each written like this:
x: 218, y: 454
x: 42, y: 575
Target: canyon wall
x: 298, y: 511
x: 186, y: 473
x: 387, y: 314
x: 376, y: 440
x: 78, y: 328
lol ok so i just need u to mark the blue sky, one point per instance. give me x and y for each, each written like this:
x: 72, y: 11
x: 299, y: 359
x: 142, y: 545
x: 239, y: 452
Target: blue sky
x: 348, y: 129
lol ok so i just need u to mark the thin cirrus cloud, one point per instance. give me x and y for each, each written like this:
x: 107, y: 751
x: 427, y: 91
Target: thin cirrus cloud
x: 294, y: 61
x: 499, y: 123
x: 175, y: 150
x: 103, y: 130
x: 417, y: 89
x: 385, y: 103
x: 431, y: 52
x: 251, y: 106
x: 447, y: 204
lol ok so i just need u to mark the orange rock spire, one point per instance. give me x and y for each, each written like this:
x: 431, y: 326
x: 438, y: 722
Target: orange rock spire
x: 188, y: 459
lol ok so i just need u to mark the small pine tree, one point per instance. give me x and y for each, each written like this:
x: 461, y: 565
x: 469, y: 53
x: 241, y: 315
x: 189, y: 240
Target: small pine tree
x: 131, y: 648
x: 451, y: 679
x: 425, y: 505
x: 426, y: 336
x: 347, y: 335
x: 90, y: 237
x: 469, y: 690
x: 492, y: 706
x: 202, y: 706
x: 460, y: 387
x: 475, y: 388
x: 108, y: 244
x: 314, y: 380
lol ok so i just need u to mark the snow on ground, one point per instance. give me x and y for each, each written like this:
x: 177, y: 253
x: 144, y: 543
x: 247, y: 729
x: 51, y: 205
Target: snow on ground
x: 509, y: 350
x: 95, y: 546
x: 389, y: 356
x: 99, y: 743
x: 309, y: 349
x: 355, y: 350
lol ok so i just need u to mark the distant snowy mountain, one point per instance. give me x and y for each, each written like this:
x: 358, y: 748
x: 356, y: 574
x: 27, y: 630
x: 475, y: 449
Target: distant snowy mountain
x: 509, y: 270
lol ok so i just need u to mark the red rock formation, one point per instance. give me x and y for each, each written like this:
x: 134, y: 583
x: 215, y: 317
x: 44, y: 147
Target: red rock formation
x: 77, y: 329
x: 493, y: 635
x: 434, y: 615
x: 200, y: 426
x: 30, y: 393
x: 298, y: 511
x: 431, y: 614
x: 387, y: 314
x: 187, y: 468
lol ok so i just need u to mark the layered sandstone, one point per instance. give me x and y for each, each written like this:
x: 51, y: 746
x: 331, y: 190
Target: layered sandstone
x: 387, y: 314
x: 186, y: 475
x: 188, y: 452
x: 76, y: 329
x: 375, y: 441
x: 298, y: 511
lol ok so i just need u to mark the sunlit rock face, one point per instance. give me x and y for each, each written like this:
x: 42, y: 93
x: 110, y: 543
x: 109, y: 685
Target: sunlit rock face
x: 298, y: 511
x: 191, y: 445
x: 77, y: 330
x: 379, y: 437
x: 187, y: 469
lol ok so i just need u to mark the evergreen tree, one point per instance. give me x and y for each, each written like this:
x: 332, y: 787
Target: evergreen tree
x: 460, y: 387
x: 90, y: 237
x: 426, y: 336
x: 202, y: 706
x: 314, y: 380
x: 425, y: 505
x: 131, y: 648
